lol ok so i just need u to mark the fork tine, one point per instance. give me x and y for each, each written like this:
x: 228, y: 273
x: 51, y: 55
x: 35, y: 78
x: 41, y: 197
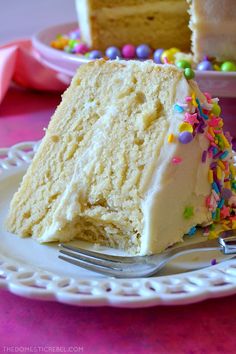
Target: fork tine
x: 94, y: 268
x: 97, y: 255
x: 94, y: 261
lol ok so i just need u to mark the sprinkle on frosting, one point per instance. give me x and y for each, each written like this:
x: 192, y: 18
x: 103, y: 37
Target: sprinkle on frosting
x: 213, y: 261
x: 204, y: 118
x: 176, y: 160
x: 188, y: 212
x: 170, y: 138
x: 192, y: 231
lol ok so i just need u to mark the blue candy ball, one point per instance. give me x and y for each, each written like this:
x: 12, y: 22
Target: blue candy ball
x: 143, y: 51
x: 95, y: 54
x: 157, y: 56
x: 113, y: 53
x: 205, y: 65
x: 185, y: 137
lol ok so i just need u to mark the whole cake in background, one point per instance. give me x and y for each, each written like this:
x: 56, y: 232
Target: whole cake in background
x: 134, y: 158
x: 210, y: 24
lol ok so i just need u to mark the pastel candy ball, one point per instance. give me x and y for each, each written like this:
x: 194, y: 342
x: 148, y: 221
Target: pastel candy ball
x: 128, y: 51
x: 81, y: 48
x: 228, y: 66
x: 95, y: 54
x: 113, y: 52
x: 157, y: 55
x: 205, y: 65
x: 216, y: 110
x: 189, y: 73
x: 185, y: 137
x: 75, y: 34
x: 169, y: 55
x: 183, y: 64
x: 72, y: 43
x: 143, y: 51
x: 185, y: 127
x: 68, y: 49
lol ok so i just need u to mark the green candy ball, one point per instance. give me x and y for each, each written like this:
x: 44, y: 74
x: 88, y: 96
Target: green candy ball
x: 189, y: 73
x: 228, y: 66
x: 216, y: 110
x: 183, y: 64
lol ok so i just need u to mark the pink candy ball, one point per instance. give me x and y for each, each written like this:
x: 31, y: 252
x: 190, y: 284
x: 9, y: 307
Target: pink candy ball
x: 81, y: 48
x: 128, y: 51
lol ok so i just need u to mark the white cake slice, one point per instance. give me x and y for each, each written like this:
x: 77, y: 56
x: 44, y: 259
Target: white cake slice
x: 134, y: 157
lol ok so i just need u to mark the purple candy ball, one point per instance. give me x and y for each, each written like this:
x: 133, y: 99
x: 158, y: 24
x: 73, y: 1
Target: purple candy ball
x: 205, y: 65
x: 75, y: 34
x: 226, y: 193
x: 95, y: 54
x: 128, y: 51
x: 113, y: 52
x: 143, y: 51
x: 157, y: 56
x: 185, y: 137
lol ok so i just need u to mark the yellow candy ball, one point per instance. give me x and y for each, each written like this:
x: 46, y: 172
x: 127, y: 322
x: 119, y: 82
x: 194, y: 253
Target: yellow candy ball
x: 216, y: 110
x: 169, y: 54
x: 185, y: 127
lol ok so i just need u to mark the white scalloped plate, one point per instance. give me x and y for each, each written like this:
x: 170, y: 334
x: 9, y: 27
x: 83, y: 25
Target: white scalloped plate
x: 222, y: 84
x: 33, y: 270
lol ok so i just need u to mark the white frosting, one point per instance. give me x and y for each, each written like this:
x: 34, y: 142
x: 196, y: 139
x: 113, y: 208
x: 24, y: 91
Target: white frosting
x: 83, y: 17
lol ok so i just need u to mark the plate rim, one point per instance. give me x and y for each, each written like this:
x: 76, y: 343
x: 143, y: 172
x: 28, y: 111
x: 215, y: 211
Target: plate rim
x: 36, y: 283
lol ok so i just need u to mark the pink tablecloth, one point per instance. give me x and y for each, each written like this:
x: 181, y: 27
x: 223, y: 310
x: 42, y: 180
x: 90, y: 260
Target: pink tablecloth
x: 45, y: 327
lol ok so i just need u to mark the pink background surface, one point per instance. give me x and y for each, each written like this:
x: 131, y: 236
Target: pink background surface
x: 206, y: 327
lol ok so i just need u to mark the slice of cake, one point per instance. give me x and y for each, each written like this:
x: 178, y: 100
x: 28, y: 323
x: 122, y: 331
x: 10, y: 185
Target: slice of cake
x: 134, y: 157
x: 158, y: 23
x: 213, y: 25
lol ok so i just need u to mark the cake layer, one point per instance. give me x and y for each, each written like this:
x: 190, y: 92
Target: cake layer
x: 157, y: 23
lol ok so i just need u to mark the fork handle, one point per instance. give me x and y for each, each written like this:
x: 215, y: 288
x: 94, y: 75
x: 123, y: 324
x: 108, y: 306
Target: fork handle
x: 226, y: 243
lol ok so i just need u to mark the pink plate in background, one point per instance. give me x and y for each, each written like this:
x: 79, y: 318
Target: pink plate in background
x: 221, y: 84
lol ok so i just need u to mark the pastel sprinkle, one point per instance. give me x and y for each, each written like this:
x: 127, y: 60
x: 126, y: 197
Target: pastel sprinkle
x: 218, y: 172
x: 188, y: 212
x: 210, y: 176
x: 204, y: 156
x: 194, y: 102
x: 221, y: 203
x: 213, y: 262
x: 215, y: 187
x: 224, y: 155
x: 191, y: 118
x: 170, y: 138
x: 176, y: 160
x: 178, y: 108
x: 221, y: 165
x: 227, y: 145
x: 188, y: 99
x: 200, y: 109
x: 192, y: 231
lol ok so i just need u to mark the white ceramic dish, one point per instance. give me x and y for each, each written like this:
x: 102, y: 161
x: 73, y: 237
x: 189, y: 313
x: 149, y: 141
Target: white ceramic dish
x: 217, y: 83
x: 32, y: 270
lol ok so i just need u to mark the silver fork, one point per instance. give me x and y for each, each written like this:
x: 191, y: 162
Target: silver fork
x: 142, y: 266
